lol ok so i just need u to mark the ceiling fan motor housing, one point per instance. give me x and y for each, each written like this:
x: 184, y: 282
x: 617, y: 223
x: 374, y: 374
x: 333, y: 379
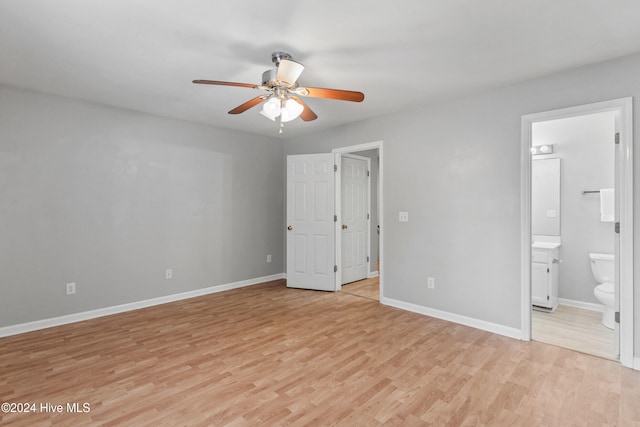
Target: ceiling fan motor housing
x: 269, y: 77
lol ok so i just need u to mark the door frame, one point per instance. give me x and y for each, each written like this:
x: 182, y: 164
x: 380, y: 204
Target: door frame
x: 624, y: 166
x: 338, y: 240
x: 338, y: 209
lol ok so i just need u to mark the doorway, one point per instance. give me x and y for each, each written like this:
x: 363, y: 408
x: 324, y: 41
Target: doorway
x: 372, y: 286
x: 544, y: 248
x: 359, y: 214
x: 314, y: 222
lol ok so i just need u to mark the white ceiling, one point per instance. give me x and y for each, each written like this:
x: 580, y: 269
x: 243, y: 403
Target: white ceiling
x: 143, y: 54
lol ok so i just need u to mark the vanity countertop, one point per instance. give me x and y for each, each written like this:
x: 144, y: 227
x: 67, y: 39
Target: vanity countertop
x: 545, y: 245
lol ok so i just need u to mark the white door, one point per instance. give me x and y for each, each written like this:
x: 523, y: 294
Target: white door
x: 355, y: 218
x: 310, y: 222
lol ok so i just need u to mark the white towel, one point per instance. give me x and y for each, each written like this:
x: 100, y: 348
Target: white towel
x: 607, y: 212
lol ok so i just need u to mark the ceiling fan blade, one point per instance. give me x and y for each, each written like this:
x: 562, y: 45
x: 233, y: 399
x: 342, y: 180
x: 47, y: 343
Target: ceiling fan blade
x: 307, y: 114
x: 214, y: 82
x: 289, y: 71
x: 249, y: 104
x: 343, y: 95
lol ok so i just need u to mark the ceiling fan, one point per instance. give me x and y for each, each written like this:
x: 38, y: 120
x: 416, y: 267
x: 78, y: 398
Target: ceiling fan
x: 283, y: 98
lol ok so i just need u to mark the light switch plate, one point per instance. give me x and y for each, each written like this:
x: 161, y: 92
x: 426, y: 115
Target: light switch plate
x: 70, y: 288
x: 551, y: 213
x: 403, y: 216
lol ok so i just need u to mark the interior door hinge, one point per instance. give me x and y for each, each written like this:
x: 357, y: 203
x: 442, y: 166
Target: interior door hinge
x: 335, y: 268
x: 335, y: 168
x: 367, y: 216
x: 335, y: 218
x: 547, y: 297
x: 368, y: 173
x: 547, y: 269
x: 367, y: 259
x: 617, y: 140
x: 617, y: 317
x: 617, y: 227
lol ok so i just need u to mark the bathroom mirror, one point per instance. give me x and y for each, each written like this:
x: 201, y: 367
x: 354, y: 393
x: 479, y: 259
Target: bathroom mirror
x: 545, y: 197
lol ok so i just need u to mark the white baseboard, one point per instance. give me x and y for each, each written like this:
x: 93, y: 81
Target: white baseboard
x: 581, y: 304
x: 100, y: 312
x: 455, y: 318
x: 636, y: 363
x: 373, y: 274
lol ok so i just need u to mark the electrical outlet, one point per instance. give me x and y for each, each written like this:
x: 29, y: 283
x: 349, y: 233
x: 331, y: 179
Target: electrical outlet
x: 168, y: 274
x: 269, y: 258
x: 70, y: 288
x: 431, y: 283
x: 403, y: 216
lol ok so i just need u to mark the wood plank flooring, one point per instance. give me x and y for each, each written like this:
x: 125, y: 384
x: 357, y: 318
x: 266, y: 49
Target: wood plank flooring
x: 367, y: 288
x: 574, y: 328
x: 267, y: 355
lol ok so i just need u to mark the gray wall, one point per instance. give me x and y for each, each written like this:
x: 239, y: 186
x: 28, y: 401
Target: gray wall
x: 585, y: 146
x: 455, y: 167
x: 110, y: 198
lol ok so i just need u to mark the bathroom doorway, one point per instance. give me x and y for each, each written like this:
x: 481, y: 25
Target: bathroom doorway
x: 572, y: 170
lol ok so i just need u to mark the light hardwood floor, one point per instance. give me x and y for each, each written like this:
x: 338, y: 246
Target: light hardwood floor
x: 367, y: 288
x: 267, y: 355
x: 574, y: 328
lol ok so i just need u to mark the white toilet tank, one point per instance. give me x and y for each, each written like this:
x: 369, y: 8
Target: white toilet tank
x: 602, y: 267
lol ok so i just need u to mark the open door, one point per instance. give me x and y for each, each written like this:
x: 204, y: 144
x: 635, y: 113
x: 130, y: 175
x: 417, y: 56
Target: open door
x: 355, y: 217
x: 310, y: 221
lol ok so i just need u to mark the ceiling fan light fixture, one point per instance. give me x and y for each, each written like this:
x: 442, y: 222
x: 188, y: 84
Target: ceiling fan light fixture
x: 291, y: 111
x: 287, y: 112
x: 272, y: 118
x: 271, y: 109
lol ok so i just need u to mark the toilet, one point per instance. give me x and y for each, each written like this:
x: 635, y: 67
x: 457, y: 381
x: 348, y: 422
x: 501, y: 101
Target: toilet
x: 602, y: 267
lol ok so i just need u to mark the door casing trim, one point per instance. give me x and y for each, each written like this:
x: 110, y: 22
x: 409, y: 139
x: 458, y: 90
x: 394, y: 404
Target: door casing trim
x: 624, y: 107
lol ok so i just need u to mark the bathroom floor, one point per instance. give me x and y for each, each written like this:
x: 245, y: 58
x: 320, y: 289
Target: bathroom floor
x: 574, y: 328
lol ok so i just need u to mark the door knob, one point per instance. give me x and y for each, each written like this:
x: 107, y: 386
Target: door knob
x: 344, y: 226
x: 289, y: 228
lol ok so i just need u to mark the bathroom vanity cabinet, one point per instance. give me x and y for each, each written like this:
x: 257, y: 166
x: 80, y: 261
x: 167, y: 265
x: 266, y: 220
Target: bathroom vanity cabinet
x: 544, y: 275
